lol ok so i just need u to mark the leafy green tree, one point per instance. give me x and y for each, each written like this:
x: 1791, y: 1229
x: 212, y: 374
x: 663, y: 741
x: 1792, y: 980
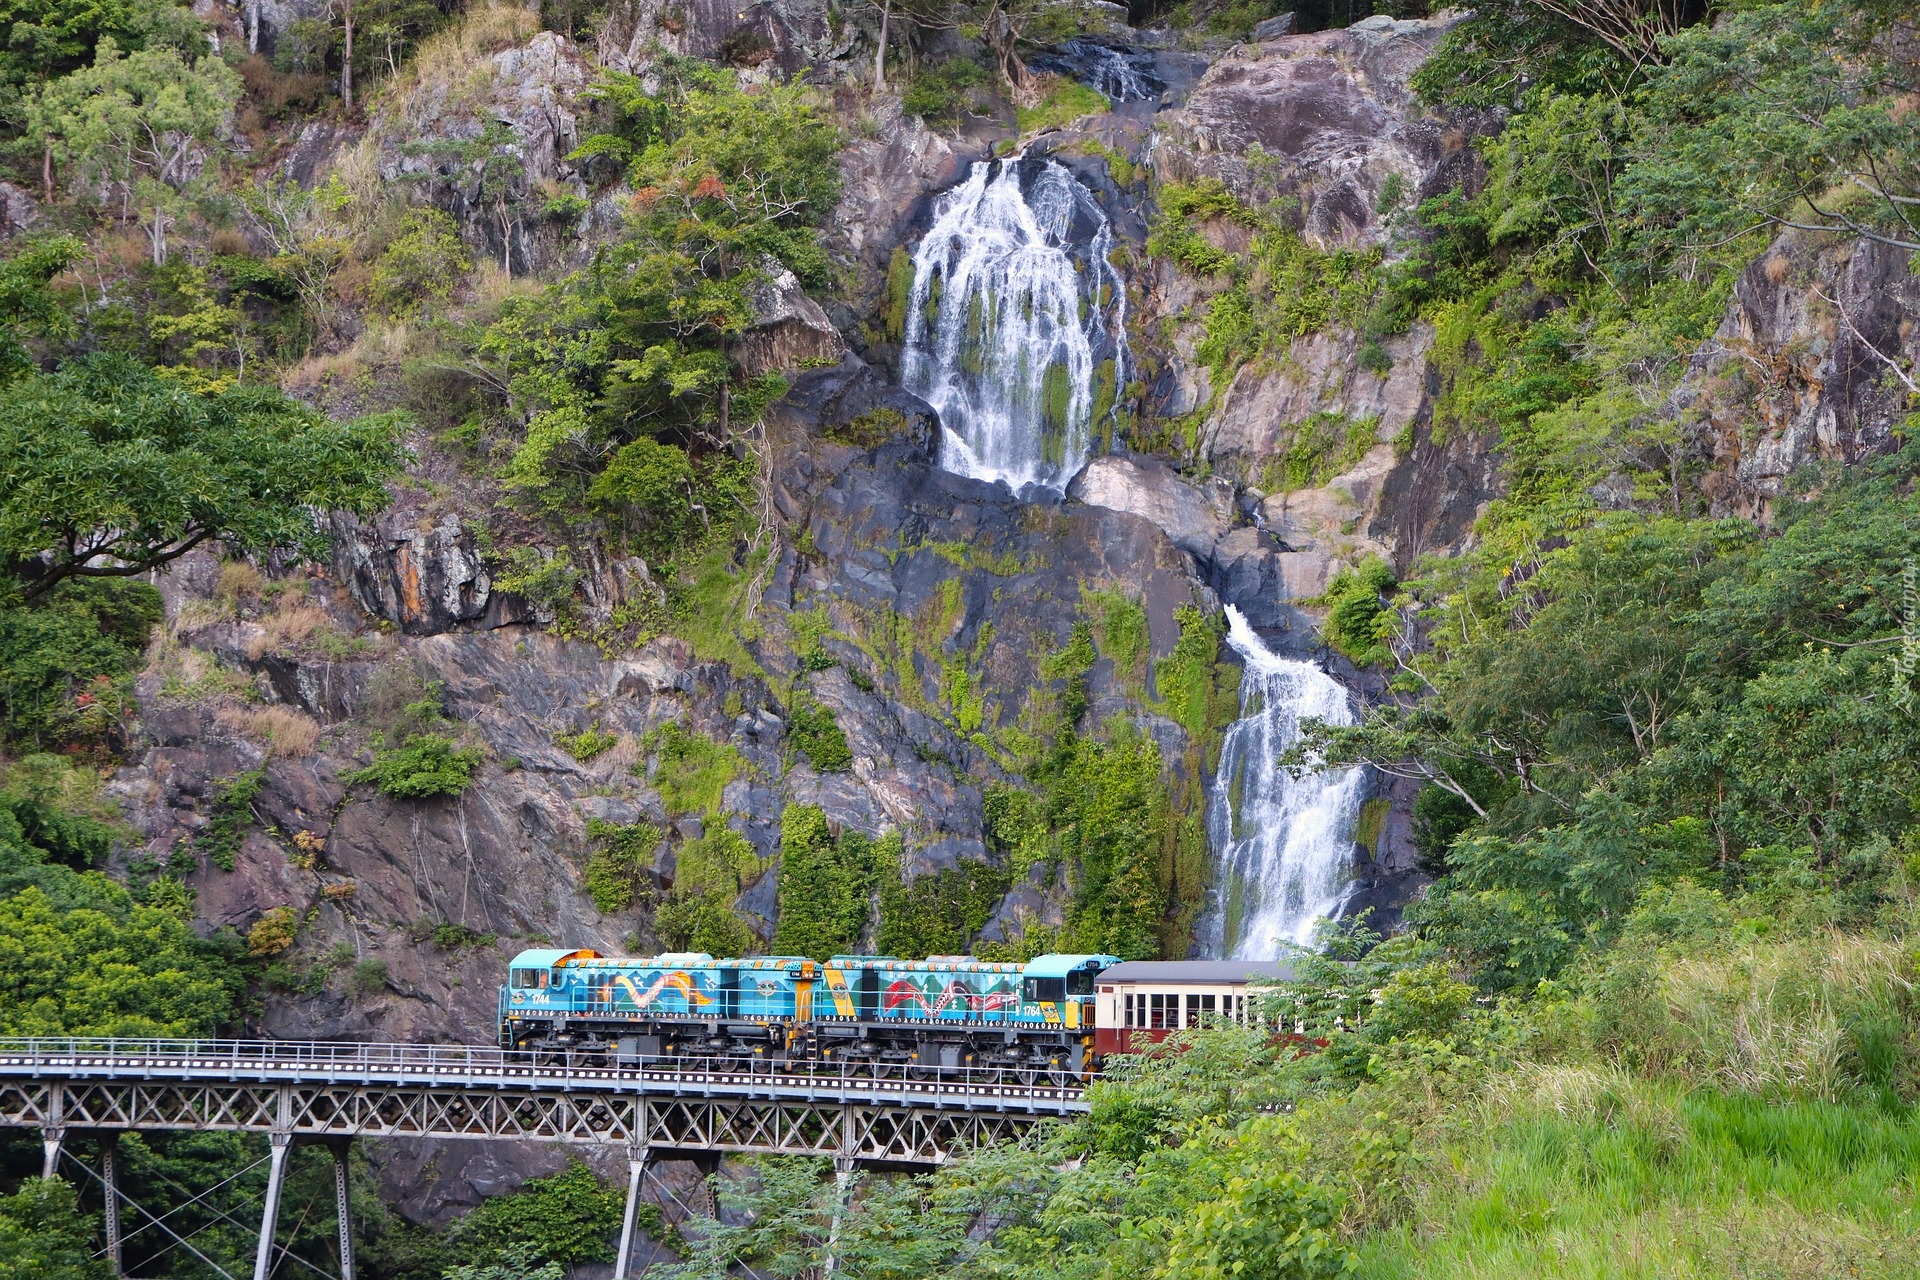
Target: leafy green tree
x: 560, y: 1220
x: 108, y: 471
x: 136, y: 121
x: 108, y: 968
x: 422, y: 265
x: 1789, y: 114
x: 45, y: 1236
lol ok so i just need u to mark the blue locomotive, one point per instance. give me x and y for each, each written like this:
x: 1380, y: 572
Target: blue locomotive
x: 1026, y: 1021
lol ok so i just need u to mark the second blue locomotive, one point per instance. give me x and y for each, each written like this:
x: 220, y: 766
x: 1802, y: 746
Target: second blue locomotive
x: 1025, y: 1020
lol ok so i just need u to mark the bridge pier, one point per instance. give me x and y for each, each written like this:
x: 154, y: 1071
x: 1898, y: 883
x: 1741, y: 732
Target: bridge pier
x: 51, y: 1139
x: 343, y: 1204
x: 110, y: 1181
x: 270, y: 1208
x: 637, y: 1158
x: 842, y: 1184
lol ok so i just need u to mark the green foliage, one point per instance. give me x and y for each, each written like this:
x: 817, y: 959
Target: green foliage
x: 815, y: 733
x: 67, y: 661
x: 45, y: 1236
x: 563, y: 1219
x: 708, y: 874
x: 622, y: 371
x: 949, y: 90
x: 1063, y: 102
x: 1317, y: 450
x: 1119, y: 627
x: 619, y: 866
x: 1277, y: 1224
x: 425, y: 766
x: 939, y: 912
x: 1189, y: 680
x: 827, y: 883
x: 693, y: 770
x: 1360, y: 623
x: 450, y: 936
x: 107, y: 470
x: 129, y: 121
x: 422, y: 265
x: 1282, y: 288
x: 587, y: 745
x: 106, y: 966
x: 28, y: 307
x: 228, y: 817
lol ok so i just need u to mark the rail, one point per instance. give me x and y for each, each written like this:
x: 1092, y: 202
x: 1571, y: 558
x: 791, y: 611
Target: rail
x: 355, y: 1062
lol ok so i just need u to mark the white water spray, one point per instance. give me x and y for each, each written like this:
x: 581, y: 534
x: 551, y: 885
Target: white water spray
x: 1016, y: 329
x: 1282, y: 845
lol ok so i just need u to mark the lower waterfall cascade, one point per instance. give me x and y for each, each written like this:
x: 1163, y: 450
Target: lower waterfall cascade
x: 1282, y: 845
x: 1016, y: 323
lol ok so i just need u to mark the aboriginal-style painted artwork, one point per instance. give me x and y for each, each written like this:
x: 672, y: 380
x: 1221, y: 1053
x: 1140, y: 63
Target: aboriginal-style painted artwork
x: 936, y: 995
x: 621, y: 992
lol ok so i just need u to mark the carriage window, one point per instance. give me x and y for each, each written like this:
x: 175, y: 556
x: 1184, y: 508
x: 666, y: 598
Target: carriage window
x: 1045, y: 989
x: 1130, y: 1014
x: 1163, y: 1010
x: 1198, y: 1007
x: 1080, y: 982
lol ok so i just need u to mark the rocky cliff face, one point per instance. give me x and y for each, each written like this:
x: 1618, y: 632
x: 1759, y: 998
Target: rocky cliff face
x: 913, y: 604
x: 1808, y: 363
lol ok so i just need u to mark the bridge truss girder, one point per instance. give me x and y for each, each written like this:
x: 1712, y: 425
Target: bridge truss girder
x: 845, y: 1130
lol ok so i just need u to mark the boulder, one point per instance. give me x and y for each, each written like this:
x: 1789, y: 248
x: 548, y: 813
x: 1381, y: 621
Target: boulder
x: 781, y: 37
x: 423, y: 578
x: 788, y: 328
x: 1337, y: 121
x: 1194, y: 517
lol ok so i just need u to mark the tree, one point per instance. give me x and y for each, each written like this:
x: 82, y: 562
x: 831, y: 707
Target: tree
x: 137, y: 122
x: 107, y: 967
x: 1789, y: 114
x: 44, y: 1236
x: 109, y: 471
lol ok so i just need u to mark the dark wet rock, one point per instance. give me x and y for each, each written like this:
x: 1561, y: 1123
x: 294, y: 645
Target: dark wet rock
x: 1337, y: 120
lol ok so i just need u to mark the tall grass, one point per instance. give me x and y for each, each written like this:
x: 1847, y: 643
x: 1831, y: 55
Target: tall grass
x: 1591, y: 1172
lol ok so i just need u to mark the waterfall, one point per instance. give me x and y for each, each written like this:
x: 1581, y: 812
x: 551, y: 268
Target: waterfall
x: 1123, y: 75
x: 1016, y: 324
x: 1281, y: 844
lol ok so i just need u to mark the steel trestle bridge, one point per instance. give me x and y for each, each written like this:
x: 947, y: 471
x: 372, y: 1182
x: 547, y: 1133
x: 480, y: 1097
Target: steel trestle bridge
x: 334, y: 1091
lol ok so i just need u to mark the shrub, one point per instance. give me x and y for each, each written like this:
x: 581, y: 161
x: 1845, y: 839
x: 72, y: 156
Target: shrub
x: 427, y: 765
x: 368, y: 978
x: 423, y: 264
x: 1359, y: 623
x: 449, y: 936
x: 693, y: 770
x: 232, y: 814
x: 565, y: 1219
x: 66, y: 663
x: 815, y: 734
x: 588, y: 744
x: 946, y: 91
x: 826, y: 884
x: 618, y: 869
x: 273, y: 932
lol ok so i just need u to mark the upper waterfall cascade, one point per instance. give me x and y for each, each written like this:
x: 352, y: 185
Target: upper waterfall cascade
x: 1016, y: 324
x: 1283, y: 846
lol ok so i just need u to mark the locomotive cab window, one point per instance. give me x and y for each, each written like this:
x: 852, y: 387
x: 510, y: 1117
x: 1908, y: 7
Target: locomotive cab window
x: 1080, y: 982
x: 530, y: 979
x: 1038, y: 989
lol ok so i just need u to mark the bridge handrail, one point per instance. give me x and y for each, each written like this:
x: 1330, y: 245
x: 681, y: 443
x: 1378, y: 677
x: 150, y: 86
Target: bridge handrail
x: 443, y: 1061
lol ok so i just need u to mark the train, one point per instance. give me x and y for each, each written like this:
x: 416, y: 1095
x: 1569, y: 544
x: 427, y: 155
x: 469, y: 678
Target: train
x: 1054, y: 1018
